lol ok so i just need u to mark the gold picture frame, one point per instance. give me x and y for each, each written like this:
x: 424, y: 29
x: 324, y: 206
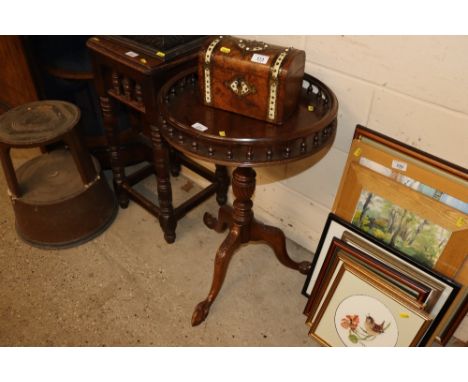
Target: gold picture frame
x: 376, y: 162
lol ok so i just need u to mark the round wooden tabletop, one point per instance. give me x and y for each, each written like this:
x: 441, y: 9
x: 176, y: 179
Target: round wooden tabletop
x: 37, y: 123
x: 227, y: 138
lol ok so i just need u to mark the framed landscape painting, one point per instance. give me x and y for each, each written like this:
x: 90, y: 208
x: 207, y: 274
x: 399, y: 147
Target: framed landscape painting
x: 408, y: 199
x: 400, y: 228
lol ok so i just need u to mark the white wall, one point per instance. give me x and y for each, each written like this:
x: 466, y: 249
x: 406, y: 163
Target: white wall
x: 414, y: 89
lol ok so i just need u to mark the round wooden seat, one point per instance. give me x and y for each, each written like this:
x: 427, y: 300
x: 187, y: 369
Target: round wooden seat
x: 51, y: 177
x: 59, y: 198
x: 38, y: 123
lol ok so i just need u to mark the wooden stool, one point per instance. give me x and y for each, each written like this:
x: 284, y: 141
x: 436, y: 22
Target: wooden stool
x: 59, y: 198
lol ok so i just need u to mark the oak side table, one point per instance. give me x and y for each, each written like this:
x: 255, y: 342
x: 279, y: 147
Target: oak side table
x: 234, y: 140
x: 129, y: 80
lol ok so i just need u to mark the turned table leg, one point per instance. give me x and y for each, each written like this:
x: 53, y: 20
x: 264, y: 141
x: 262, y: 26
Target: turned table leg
x: 167, y: 219
x: 174, y: 162
x: 118, y: 172
x: 242, y: 229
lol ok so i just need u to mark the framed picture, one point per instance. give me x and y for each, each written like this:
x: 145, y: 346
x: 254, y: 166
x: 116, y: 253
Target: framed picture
x: 411, y: 288
x: 445, y: 288
x: 361, y: 309
x: 409, y: 200
x: 437, y: 164
x: 460, y: 312
x: 436, y: 288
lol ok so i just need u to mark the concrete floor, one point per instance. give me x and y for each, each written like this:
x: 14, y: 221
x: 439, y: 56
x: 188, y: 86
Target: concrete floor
x: 128, y: 287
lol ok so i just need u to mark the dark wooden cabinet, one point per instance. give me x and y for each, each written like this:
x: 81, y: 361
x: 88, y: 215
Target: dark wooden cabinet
x: 16, y: 80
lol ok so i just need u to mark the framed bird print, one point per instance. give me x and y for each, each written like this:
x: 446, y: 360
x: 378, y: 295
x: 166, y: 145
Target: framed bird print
x: 359, y: 308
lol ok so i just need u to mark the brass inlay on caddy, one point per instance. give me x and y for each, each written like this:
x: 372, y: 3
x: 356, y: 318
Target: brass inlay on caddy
x: 240, y: 87
x: 208, y: 54
x: 274, y: 73
x: 252, y: 45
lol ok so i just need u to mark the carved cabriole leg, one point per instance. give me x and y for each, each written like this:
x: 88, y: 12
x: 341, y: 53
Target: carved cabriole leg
x: 243, y: 228
x: 167, y: 218
x: 118, y: 171
x: 275, y: 238
x: 222, y: 178
x: 240, y: 219
x: 223, y: 221
x: 223, y: 257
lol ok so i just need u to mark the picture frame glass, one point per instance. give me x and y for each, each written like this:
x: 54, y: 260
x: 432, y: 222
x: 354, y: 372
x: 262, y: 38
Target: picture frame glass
x: 400, y: 228
x: 362, y: 319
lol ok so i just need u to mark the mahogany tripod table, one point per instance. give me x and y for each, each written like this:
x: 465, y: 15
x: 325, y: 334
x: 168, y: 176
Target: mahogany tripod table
x: 234, y: 140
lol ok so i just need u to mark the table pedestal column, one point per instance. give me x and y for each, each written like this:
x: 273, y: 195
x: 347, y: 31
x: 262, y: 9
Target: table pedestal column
x: 242, y: 229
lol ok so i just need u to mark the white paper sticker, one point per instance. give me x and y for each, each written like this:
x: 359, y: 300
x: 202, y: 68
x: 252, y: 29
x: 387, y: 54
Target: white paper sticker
x: 260, y: 58
x: 132, y: 54
x: 198, y: 126
x: 374, y: 166
x: 399, y: 165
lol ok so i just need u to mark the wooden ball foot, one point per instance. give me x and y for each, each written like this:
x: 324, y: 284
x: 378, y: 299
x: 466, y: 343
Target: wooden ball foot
x: 304, y: 267
x: 201, y: 312
x: 123, y: 200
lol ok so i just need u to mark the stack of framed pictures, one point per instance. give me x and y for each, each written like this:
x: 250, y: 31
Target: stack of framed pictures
x: 391, y: 266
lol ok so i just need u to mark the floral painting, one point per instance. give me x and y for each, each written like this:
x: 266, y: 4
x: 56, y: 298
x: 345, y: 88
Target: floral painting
x: 365, y: 321
x: 400, y: 228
